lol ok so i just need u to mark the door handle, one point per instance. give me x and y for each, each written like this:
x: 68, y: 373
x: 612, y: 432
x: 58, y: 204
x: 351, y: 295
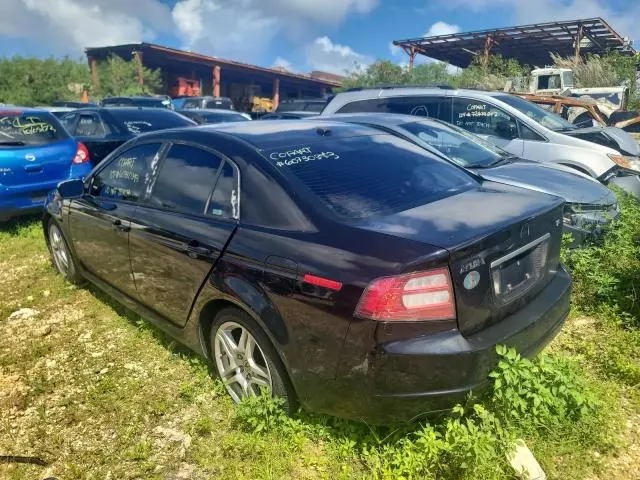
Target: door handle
x: 117, y: 223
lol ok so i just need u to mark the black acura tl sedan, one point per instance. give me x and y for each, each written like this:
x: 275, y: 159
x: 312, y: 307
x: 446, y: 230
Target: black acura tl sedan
x: 337, y: 265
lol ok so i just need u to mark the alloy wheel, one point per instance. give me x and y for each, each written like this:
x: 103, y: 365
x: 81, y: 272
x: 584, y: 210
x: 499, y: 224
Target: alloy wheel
x: 240, y: 361
x: 59, y: 251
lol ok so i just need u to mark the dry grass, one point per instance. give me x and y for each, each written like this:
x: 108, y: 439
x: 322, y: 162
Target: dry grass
x: 97, y: 393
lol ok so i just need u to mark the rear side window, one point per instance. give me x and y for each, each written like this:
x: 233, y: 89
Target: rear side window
x: 140, y: 121
x: 186, y: 180
x: 362, y: 177
x: 225, y: 199
x: 422, y: 106
x: 91, y: 125
x: 21, y: 128
x: 128, y: 176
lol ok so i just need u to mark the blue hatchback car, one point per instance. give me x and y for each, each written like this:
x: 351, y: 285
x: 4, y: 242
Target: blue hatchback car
x: 36, y: 153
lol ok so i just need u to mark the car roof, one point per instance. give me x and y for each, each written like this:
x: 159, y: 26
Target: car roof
x: 137, y: 97
x: 384, y: 119
x: 281, y: 133
x: 208, y: 110
x: 367, y: 93
x: 15, y: 109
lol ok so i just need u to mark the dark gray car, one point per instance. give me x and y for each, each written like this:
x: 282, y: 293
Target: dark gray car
x: 590, y: 205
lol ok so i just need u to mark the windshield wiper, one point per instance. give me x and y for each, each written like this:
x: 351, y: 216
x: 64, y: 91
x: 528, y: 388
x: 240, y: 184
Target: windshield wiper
x: 12, y: 143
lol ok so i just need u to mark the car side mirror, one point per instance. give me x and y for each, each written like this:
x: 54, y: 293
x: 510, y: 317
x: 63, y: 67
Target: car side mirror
x: 71, y: 188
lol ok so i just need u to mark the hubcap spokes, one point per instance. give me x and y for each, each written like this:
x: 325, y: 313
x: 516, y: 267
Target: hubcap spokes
x: 240, y: 361
x: 59, y: 249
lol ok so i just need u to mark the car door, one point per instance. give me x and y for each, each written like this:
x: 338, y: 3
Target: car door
x: 489, y: 122
x: 182, y: 228
x: 100, y: 221
x: 96, y: 133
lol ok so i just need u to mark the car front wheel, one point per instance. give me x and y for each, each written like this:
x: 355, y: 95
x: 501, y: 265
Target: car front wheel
x: 61, y: 255
x: 245, y: 359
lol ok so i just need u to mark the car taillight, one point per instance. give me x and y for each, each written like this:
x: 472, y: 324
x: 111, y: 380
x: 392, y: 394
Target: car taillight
x: 415, y: 296
x: 82, y: 154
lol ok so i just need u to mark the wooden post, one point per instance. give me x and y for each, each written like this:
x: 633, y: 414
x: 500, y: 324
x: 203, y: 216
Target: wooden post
x: 412, y: 57
x: 137, y: 56
x: 95, y: 80
x: 488, y: 43
x: 579, y: 36
x: 276, y: 92
x: 216, y: 81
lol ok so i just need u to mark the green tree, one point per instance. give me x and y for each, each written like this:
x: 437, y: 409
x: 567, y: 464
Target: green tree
x: 120, y: 77
x: 32, y: 81
x: 379, y: 73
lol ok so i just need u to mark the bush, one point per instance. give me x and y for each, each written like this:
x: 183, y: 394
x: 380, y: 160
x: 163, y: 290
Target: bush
x: 605, y: 276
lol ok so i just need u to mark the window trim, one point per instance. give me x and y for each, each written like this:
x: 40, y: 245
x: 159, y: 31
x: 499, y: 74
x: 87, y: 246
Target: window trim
x: 223, y: 158
x: 387, y: 98
x: 89, y: 180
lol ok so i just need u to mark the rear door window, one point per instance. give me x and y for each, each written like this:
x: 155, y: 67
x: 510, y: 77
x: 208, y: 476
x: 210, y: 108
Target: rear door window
x: 225, y: 199
x: 129, y: 176
x: 22, y: 128
x: 186, y: 180
x: 369, y: 176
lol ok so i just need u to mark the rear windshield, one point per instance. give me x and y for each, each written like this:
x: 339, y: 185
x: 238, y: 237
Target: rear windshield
x: 373, y: 176
x: 140, y: 121
x: 212, y: 117
x: 315, y: 107
x: 139, y: 102
x: 21, y: 128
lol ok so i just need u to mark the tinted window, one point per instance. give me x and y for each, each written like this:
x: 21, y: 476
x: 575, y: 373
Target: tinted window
x: 462, y: 147
x: 422, y: 106
x: 69, y: 121
x: 482, y: 118
x: 140, y: 121
x: 19, y: 128
x: 527, y: 134
x: 129, y: 175
x: 225, y: 200
x: 186, y: 180
x: 91, y: 125
x: 219, y: 103
x: 362, y: 177
x: 213, y: 117
x: 192, y: 103
x: 537, y: 113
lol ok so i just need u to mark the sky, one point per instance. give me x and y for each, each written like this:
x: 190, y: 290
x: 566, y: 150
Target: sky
x: 300, y: 35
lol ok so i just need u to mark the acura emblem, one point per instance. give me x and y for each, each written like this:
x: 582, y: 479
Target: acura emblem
x: 525, y: 231
x: 30, y: 157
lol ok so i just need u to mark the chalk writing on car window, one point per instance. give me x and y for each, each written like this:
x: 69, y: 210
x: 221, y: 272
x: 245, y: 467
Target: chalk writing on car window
x: 24, y: 126
x: 300, y: 155
x: 137, y: 126
x: 133, y: 177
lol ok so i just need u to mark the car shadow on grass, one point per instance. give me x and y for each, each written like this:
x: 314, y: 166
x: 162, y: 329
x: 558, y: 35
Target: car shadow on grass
x: 17, y: 225
x: 144, y: 325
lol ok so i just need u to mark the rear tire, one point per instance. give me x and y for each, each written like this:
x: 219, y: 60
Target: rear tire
x: 61, y: 255
x: 245, y: 359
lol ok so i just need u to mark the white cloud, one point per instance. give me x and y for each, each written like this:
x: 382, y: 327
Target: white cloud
x: 283, y: 63
x: 242, y: 29
x: 394, y: 49
x: 441, y: 28
x: 68, y: 26
x: 323, y: 54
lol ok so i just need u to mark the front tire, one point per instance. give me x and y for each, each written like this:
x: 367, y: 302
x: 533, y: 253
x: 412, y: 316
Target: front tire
x: 245, y: 359
x: 61, y: 254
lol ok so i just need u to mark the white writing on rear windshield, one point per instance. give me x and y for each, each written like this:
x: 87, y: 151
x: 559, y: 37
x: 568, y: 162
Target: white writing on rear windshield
x: 300, y: 155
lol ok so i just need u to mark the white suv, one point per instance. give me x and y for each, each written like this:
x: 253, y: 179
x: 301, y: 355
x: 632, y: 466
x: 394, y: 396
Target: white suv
x: 514, y: 124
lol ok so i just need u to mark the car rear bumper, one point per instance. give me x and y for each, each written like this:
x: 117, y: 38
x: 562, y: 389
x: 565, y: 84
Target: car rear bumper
x: 25, y: 199
x: 409, y: 378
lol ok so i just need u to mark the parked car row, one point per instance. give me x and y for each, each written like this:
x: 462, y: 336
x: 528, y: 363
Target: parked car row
x: 363, y: 262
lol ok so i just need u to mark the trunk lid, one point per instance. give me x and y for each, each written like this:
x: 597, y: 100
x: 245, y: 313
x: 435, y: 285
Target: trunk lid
x: 24, y: 165
x: 99, y: 148
x: 504, y: 245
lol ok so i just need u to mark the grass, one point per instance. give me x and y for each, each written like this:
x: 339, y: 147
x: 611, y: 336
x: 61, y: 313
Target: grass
x: 97, y: 392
